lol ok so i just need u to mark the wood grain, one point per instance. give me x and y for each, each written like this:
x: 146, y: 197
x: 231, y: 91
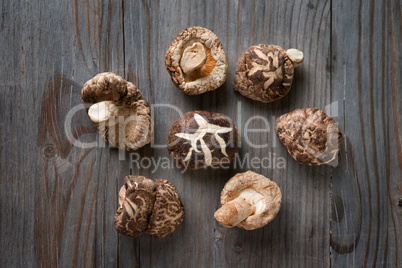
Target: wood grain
x: 366, y: 227
x: 57, y: 200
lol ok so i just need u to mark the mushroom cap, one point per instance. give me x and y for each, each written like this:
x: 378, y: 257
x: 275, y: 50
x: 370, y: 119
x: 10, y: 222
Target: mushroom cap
x: 131, y: 126
x: 265, y: 72
x: 136, y: 201
x: 199, y: 139
x: 151, y: 206
x: 310, y: 136
x: 168, y: 211
x: 213, y: 76
x: 109, y: 86
x: 270, y: 191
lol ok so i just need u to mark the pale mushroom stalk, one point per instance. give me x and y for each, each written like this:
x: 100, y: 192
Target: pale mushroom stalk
x: 193, y: 59
x: 101, y: 111
x: 108, y: 114
x: 249, y: 202
x: 296, y: 56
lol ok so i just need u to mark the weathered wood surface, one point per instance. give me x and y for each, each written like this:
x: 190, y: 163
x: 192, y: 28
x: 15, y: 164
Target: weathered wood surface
x: 57, y: 200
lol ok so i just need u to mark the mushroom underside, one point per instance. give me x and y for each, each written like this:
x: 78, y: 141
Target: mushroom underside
x: 249, y: 201
x: 196, y: 61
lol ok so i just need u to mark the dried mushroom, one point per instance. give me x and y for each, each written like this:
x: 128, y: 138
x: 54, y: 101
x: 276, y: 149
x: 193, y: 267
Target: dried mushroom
x: 249, y: 201
x: 196, y: 61
x: 310, y: 136
x: 265, y: 72
x: 118, y: 111
x: 150, y: 206
x: 199, y: 139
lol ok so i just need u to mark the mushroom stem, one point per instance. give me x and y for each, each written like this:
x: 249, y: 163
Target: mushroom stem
x: 295, y: 55
x: 101, y: 111
x: 193, y: 58
x: 237, y: 210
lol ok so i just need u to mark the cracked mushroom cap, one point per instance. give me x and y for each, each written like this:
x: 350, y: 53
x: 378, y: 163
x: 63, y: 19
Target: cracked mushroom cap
x: 151, y: 206
x: 118, y: 111
x: 196, y: 61
x: 200, y: 139
x: 265, y: 72
x: 310, y: 136
x: 249, y: 201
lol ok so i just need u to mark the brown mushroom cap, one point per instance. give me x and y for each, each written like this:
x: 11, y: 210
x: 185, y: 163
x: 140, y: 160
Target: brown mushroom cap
x: 249, y: 201
x: 196, y: 61
x: 199, y: 139
x: 118, y: 111
x: 310, y: 136
x: 136, y: 201
x: 265, y: 72
x: 168, y: 211
x: 151, y: 206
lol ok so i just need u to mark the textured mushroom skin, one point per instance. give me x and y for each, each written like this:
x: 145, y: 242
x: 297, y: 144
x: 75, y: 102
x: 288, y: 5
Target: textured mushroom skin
x: 168, y: 211
x: 215, y: 78
x: 151, y: 206
x: 310, y: 136
x: 129, y: 100
x: 181, y: 148
x: 105, y: 86
x: 136, y: 202
x: 264, y: 73
x: 262, y: 185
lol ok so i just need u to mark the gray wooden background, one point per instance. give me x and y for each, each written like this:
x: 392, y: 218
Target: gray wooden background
x: 57, y: 201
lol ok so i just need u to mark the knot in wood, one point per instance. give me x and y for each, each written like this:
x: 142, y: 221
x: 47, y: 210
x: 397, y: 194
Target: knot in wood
x: 48, y: 151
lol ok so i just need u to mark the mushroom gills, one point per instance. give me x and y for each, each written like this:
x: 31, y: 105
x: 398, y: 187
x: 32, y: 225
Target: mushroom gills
x: 248, y: 203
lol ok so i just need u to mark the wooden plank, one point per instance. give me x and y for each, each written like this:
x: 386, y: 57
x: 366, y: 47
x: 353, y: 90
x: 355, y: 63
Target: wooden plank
x: 366, y: 226
x: 300, y: 234
x: 56, y: 199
